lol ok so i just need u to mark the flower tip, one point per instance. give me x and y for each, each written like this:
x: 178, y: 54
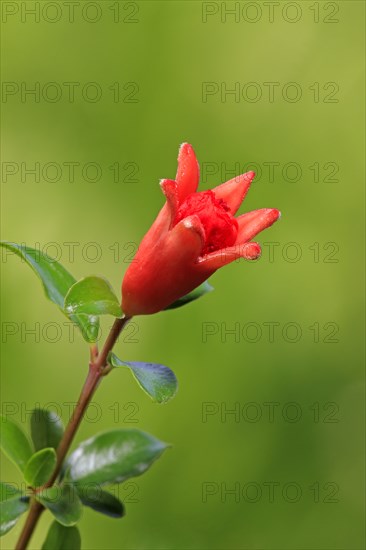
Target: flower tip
x: 250, y: 175
x: 186, y: 151
x: 188, y: 171
x: 274, y: 214
x: 252, y: 251
x: 194, y: 224
x: 166, y: 184
x: 185, y: 147
x: 269, y: 216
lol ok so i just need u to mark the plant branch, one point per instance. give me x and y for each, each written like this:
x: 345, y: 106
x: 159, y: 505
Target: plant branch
x: 97, y: 369
x: 34, y: 514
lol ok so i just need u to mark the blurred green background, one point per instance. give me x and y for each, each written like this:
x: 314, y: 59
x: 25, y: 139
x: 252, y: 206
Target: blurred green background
x: 298, y: 391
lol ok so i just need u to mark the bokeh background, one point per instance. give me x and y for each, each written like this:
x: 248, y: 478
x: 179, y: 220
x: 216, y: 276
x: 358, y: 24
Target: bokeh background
x: 294, y: 451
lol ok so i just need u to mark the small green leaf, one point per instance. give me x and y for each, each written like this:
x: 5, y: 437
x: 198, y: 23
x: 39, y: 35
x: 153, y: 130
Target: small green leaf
x: 158, y: 381
x: 12, y: 505
x: 201, y: 290
x: 60, y: 537
x: 46, y: 429
x: 63, y: 502
x: 39, y: 467
x: 113, y: 456
x: 92, y: 295
x: 14, y: 443
x: 56, y: 282
x: 101, y: 501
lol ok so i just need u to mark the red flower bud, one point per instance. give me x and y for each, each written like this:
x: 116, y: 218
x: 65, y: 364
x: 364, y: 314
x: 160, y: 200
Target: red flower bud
x: 193, y: 235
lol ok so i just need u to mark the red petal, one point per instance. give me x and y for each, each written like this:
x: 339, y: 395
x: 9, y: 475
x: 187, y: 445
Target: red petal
x: 211, y: 262
x: 234, y: 191
x: 252, y: 223
x: 169, y: 188
x: 157, y: 230
x: 186, y: 239
x: 188, y: 173
x: 165, y: 272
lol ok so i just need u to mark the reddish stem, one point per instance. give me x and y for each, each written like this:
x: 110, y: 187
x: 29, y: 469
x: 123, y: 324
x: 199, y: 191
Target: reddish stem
x: 97, y: 369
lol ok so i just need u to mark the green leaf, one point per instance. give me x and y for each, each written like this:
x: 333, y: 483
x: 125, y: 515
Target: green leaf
x: 63, y: 502
x: 46, y: 429
x: 113, y: 456
x: 201, y: 290
x: 39, y: 467
x: 101, y: 501
x: 14, y: 443
x: 60, y: 537
x: 56, y: 283
x: 12, y: 505
x: 92, y: 295
x: 158, y: 381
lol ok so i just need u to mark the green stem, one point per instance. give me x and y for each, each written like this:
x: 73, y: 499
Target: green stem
x: 97, y: 369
